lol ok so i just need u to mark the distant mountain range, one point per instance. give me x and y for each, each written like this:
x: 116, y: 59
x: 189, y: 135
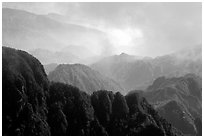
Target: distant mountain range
x: 174, y: 92
x: 139, y: 72
x: 31, y: 105
x: 32, y: 32
x: 83, y: 77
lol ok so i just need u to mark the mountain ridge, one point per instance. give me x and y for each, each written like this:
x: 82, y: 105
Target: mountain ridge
x: 178, y: 99
x: 37, y: 31
x: 137, y: 73
x: 34, y: 106
x: 83, y: 77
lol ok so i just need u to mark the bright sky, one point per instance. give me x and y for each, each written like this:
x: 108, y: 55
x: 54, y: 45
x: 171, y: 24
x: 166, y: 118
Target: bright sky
x: 147, y: 29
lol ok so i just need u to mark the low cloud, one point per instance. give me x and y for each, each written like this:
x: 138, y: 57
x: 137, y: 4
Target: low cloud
x: 148, y: 29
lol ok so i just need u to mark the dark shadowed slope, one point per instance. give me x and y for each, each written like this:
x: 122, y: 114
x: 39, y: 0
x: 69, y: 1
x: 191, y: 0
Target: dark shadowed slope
x: 24, y: 90
x: 103, y: 113
x: 83, y: 77
x: 179, y: 100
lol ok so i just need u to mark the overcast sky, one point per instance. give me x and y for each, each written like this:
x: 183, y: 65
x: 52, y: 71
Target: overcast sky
x: 149, y: 29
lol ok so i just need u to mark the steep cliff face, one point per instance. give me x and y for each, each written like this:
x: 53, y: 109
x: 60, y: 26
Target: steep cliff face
x: 24, y: 90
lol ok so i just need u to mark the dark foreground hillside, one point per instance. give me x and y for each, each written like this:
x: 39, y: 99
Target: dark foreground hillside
x: 32, y: 105
x: 24, y: 90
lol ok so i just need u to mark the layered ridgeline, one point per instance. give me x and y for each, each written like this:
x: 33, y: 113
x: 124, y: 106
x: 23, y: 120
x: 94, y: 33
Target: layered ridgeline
x: 31, y: 105
x: 129, y: 71
x: 179, y: 100
x: 42, y: 35
x: 134, y: 72
x: 83, y: 77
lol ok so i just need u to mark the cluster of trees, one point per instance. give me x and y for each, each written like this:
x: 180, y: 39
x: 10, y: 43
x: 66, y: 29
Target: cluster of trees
x: 72, y: 112
x: 34, y: 106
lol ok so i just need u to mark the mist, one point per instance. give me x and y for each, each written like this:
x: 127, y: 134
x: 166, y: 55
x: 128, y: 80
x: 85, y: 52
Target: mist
x: 102, y: 69
x: 104, y: 29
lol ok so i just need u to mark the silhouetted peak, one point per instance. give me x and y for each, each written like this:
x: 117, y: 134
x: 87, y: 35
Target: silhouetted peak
x: 123, y: 54
x: 126, y: 56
